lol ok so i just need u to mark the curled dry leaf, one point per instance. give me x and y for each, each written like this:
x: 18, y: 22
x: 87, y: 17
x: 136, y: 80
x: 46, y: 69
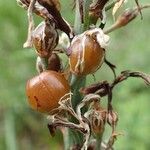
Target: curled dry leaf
x: 96, y: 9
x: 55, y: 3
x: 62, y: 24
x: 28, y: 42
x: 45, y: 38
x: 38, y: 9
x: 118, y: 4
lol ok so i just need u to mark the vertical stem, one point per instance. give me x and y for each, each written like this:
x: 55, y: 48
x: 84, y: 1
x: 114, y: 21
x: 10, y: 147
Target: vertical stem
x: 98, y: 142
x: 77, y: 22
x: 86, y: 14
x: 28, y: 43
x: 66, y: 139
x: 73, y: 137
x: 76, y: 99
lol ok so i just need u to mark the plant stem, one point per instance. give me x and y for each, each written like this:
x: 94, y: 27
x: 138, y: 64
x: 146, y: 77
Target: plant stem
x: 110, y: 5
x: 76, y: 138
x: 98, y: 142
x: 86, y: 14
x: 76, y: 99
x: 77, y: 22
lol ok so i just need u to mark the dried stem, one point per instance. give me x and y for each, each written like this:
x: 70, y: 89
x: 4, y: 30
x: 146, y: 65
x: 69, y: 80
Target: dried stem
x: 112, y: 66
x: 126, y: 18
x: 101, y: 88
x: 126, y: 74
x: 68, y: 125
x: 81, y: 10
x: 28, y: 43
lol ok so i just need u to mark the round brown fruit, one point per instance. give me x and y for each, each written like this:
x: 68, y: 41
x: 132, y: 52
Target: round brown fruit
x: 45, y: 90
x: 87, y: 54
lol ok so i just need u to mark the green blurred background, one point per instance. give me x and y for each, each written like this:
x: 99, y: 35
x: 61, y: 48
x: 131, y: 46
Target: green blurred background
x: 23, y: 129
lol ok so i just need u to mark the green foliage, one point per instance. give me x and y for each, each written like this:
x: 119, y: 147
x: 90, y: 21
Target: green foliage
x: 129, y: 49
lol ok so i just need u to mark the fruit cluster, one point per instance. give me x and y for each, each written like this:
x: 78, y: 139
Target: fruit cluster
x: 87, y: 52
x: 52, y: 89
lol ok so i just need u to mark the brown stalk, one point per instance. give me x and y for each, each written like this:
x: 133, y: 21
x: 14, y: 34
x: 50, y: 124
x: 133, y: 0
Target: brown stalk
x: 81, y: 10
x: 67, y: 125
x: 28, y: 43
x: 102, y: 88
x: 126, y: 17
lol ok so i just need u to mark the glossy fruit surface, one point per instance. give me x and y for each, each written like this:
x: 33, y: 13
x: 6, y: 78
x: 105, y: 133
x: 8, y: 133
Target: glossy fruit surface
x: 86, y: 55
x: 45, y: 90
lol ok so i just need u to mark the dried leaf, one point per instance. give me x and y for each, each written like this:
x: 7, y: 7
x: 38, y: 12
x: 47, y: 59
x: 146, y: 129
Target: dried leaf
x: 118, y: 4
x: 52, y: 8
x: 55, y: 3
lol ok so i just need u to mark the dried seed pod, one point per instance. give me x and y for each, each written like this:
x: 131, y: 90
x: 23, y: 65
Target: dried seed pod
x: 112, y: 118
x: 54, y: 63
x: 87, y: 51
x: 45, y: 90
x: 97, y: 120
x: 45, y: 38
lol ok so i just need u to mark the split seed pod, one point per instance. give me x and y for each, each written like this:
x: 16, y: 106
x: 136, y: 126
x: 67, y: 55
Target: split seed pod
x: 87, y: 51
x: 45, y: 90
x: 112, y: 118
x: 97, y: 120
x: 45, y: 38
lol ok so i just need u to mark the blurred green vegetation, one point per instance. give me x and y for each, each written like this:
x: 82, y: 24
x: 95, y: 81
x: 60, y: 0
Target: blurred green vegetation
x: 23, y: 129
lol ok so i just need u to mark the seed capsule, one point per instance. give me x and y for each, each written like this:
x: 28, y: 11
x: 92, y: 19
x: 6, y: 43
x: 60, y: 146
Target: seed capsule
x: 112, y: 118
x: 87, y: 52
x: 45, y: 90
x: 45, y: 38
x: 97, y: 120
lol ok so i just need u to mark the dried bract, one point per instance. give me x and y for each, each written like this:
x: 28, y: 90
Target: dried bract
x: 62, y: 24
x: 97, y: 120
x: 45, y: 38
x: 112, y: 119
x: 37, y: 9
x: 96, y: 8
